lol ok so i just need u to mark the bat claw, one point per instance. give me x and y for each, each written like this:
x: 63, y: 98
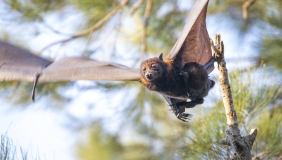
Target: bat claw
x: 184, y: 117
x: 34, y: 86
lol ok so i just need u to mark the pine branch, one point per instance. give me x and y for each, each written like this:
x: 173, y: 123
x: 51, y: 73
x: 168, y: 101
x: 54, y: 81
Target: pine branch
x: 240, y: 146
x: 93, y: 28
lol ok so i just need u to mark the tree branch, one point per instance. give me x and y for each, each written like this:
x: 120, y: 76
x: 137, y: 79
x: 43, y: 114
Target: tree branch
x: 136, y: 6
x: 240, y: 147
x: 145, y: 24
x: 54, y: 30
x: 93, y: 28
x: 245, y: 7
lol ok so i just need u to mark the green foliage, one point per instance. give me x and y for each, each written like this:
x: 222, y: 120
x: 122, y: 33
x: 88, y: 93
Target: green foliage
x: 251, y: 95
x: 271, y: 50
x: 33, y: 10
x: 20, y: 92
x: 8, y: 151
x: 163, y: 28
x: 94, y: 11
x: 106, y: 146
x: 269, y: 138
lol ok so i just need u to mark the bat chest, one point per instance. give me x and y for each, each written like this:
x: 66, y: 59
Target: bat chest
x: 172, y: 86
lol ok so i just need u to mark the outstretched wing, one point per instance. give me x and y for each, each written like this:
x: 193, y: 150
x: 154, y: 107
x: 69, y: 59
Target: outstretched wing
x: 81, y: 68
x: 17, y: 64
x: 194, y: 43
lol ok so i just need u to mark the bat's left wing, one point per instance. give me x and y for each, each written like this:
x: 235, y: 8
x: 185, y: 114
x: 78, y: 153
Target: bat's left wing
x: 81, y: 68
x: 17, y: 64
x: 194, y: 43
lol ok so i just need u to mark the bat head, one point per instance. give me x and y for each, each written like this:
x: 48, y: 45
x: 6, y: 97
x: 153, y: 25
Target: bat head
x: 153, y: 68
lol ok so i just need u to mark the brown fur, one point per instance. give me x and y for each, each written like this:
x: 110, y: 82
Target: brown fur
x: 169, y: 64
x: 197, y: 75
x: 166, y: 78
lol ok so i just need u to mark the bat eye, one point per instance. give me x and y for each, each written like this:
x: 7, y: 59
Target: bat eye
x: 154, y: 65
x: 144, y: 68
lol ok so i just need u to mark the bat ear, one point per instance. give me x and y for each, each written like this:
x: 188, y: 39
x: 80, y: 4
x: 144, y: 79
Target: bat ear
x: 161, y: 57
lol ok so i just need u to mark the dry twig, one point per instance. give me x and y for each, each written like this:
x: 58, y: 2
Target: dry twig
x: 240, y: 146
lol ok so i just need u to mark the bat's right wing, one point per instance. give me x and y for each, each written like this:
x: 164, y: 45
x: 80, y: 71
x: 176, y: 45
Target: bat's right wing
x: 17, y: 64
x: 193, y: 45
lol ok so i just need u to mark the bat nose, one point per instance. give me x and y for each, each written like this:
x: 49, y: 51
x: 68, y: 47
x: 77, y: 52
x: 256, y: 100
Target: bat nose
x: 149, y: 76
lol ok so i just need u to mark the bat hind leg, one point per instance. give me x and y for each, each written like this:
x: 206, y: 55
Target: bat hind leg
x: 179, y: 112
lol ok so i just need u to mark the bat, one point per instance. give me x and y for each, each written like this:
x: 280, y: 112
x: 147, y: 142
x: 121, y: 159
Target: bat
x: 181, y: 77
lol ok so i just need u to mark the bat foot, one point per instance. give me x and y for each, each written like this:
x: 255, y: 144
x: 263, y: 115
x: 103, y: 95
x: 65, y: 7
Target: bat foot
x: 184, y: 116
x: 180, y: 114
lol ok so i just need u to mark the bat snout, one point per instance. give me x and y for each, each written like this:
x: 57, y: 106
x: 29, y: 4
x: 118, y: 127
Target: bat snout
x: 150, y: 76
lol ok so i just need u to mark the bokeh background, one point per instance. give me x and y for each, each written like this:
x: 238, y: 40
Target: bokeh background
x: 90, y: 120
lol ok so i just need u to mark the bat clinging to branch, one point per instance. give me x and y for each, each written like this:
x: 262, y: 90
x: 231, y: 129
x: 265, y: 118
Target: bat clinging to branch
x: 181, y: 77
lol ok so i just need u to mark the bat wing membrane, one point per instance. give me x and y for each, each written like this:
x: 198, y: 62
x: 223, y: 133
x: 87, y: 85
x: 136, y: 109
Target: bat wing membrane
x: 17, y: 64
x: 194, y: 43
x: 81, y: 68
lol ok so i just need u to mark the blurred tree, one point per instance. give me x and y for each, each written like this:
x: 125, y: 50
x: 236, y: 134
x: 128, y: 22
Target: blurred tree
x: 117, y: 30
x: 262, y: 19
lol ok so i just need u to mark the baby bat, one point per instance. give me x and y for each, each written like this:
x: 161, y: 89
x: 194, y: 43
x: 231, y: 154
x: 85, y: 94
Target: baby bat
x: 181, y: 77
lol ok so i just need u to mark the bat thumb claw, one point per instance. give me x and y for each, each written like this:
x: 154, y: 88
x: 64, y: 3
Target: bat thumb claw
x: 34, y: 86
